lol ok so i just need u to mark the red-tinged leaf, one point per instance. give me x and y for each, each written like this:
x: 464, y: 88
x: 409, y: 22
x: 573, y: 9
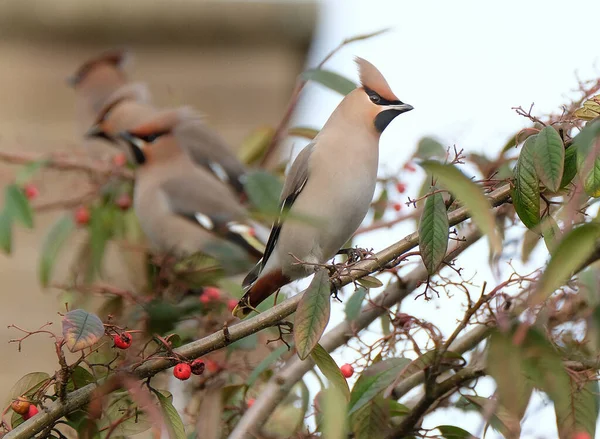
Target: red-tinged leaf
x: 549, y: 155
x: 53, y: 243
x: 433, y: 232
x: 330, y: 369
x: 574, y: 248
x: 26, y: 386
x: 172, y: 419
x: 312, y: 314
x: 81, y: 329
x: 371, y: 421
x: 374, y: 380
x: 452, y: 432
x: 330, y: 80
x: 526, y: 191
x: 505, y: 365
x: 5, y: 233
x: 306, y: 132
x: 581, y: 414
x: 255, y: 144
x: 471, y: 196
x: 589, y: 110
x: 16, y: 205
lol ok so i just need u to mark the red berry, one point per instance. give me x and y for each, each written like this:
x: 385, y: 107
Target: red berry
x: 250, y: 402
x: 82, y: 215
x: 212, y: 366
x: 122, y: 341
x: 409, y: 167
x: 204, y: 299
x: 581, y: 435
x: 212, y: 292
x: 32, y: 411
x: 182, y: 371
x: 20, y: 405
x: 347, y: 370
x: 124, y: 201
x: 119, y: 159
x: 231, y: 304
x: 397, y: 207
x: 198, y: 367
x: 31, y: 191
x: 401, y: 187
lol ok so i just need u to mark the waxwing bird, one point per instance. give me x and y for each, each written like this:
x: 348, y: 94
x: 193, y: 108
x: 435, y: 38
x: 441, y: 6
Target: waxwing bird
x: 332, y: 181
x: 124, y: 109
x: 94, y: 81
x: 182, y: 208
x: 205, y: 148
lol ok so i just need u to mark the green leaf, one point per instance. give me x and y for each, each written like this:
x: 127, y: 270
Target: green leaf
x: 530, y: 242
x: 380, y: 205
x: 263, y: 190
x: 369, y: 282
x: 526, y: 192
x: 551, y: 233
x: 585, y: 141
x: 591, y: 183
x: 371, y: 421
x: 79, y: 378
x: 5, y: 232
x: 354, y: 304
x: 572, y: 251
x: 499, y: 420
x: 549, y: 155
x: 26, y: 386
x: 470, y: 195
x: 452, y: 432
x: 334, y: 414
x: 330, y: 369
x: 53, y: 243
x: 428, y: 148
x: 17, y: 206
x: 101, y: 230
x: 29, y: 170
x: 581, y: 414
x: 312, y: 314
x: 172, y: 419
x: 505, y: 365
x: 433, y: 232
x: 374, y: 380
x: 266, y: 364
x: 397, y: 409
x: 330, y: 80
x: 570, y: 166
x: 255, y: 144
x: 306, y: 132
x: 81, y: 329
x: 129, y: 417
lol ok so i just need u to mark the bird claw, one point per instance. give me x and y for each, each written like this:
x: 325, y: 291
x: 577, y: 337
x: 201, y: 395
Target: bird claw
x: 355, y: 254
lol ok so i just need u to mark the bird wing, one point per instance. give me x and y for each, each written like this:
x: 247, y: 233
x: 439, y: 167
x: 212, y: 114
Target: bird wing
x: 206, y: 148
x: 212, y: 208
x: 294, y: 183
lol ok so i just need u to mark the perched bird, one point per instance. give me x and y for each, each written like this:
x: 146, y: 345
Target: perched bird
x: 182, y: 208
x: 205, y: 148
x: 94, y: 81
x: 331, y: 181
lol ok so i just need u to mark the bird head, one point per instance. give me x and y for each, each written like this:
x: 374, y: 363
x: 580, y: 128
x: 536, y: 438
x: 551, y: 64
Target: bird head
x: 375, y: 95
x: 102, y: 67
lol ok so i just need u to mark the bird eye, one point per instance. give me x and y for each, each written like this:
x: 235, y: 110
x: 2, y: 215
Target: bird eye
x: 375, y: 98
x: 150, y: 138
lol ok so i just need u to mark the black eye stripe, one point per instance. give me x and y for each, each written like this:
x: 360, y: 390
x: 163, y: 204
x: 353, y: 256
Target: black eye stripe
x: 381, y: 100
x: 152, y: 137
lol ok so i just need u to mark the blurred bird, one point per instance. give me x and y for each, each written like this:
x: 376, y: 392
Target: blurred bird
x: 182, y: 208
x: 94, y: 81
x: 331, y: 181
x: 205, y: 148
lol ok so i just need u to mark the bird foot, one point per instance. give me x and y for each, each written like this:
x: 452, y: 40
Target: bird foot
x: 355, y: 254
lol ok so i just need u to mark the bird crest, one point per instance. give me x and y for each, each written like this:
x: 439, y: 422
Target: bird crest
x: 371, y: 78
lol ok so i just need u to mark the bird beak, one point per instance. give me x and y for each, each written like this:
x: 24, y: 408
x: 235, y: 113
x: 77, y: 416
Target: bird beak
x: 401, y: 108
x: 96, y: 131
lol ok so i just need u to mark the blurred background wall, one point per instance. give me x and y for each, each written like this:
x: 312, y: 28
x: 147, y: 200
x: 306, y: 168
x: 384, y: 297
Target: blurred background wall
x: 235, y: 61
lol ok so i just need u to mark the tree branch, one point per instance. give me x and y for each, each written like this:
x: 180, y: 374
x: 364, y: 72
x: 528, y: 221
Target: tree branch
x: 335, y: 338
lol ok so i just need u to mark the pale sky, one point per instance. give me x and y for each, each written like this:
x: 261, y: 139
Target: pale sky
x: 462, y: 65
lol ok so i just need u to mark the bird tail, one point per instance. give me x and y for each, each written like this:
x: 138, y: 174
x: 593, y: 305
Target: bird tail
x: 258, y: 288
